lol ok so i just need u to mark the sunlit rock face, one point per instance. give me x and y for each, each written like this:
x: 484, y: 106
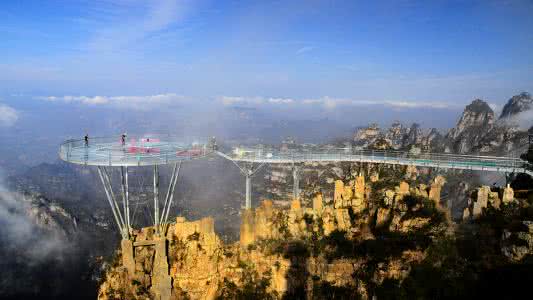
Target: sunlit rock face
x: 365, y: 137
x: 476, y: 120
x: 285, y: 251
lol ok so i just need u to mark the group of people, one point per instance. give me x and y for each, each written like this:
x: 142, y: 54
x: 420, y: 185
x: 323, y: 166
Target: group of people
x: 122, y: 139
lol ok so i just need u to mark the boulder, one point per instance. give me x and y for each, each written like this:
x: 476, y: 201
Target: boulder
x: 517, y: 251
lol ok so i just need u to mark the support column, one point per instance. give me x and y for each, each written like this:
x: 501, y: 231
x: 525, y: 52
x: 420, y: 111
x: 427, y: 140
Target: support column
x: 112, y: 202
x: 170, y: 193
x: 161, y: 280
x: 248, y: 171
x: 156, y: 198
x: 248, y: 203
x: 125, y: 197
x: 128, y: 259
x: 127, y: 200
x: 113, y: 198
x: 296, y: 182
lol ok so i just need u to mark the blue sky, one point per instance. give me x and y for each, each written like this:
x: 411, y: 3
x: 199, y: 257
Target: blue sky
x: 325, y: 54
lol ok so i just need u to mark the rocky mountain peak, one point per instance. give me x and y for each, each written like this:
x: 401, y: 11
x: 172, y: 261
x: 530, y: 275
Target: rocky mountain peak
x: 414, y: 135
x: 476, y: 121
x: 517, y: 104
x: 478, y: 106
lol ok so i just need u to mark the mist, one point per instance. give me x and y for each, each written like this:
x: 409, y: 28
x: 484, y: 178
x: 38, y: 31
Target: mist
x: 39, y: 260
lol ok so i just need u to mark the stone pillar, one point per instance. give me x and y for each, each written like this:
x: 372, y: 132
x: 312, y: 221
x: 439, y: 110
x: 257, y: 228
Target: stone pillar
x: 403, y: 189
x: 247, y: 227
x: 296, y: 182
x: 161, y: 280
x: 434, y: 193
x: 207, y: 225
x: 360, y: 185
x: 382, y: 216
x: 128, y: 260
x: 318, y: 203
x: 337, y: 196
x: 482, y: 200
x: 267, y: 206
x: 328, y: 219
x: 343, y: 218
x: 294, y: 218
x: 508, y: 195
x: 411, y: 172
x: 296, y: 205
x: 494, y: 200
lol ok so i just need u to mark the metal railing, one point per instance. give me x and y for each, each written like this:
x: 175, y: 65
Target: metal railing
x: 135, y: 151
x: 445, y: 160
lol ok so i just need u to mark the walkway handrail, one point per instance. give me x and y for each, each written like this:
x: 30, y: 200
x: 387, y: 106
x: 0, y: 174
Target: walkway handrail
x: 428, y: 159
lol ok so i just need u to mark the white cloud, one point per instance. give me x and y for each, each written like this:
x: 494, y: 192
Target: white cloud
x: 130, y: 102
x: 302, y: 50
x: 21, y: 226
x: 8, y: 115
x: 232, y: 100
x: 332, y: 103
x: 280, y: 100
x: 329, y: 103
x: 524, y: 120
x: 121, y: 25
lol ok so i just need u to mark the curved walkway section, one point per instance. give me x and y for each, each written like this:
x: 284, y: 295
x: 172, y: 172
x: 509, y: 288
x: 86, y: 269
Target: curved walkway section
x: 436, y: 160
x: 146, y: 150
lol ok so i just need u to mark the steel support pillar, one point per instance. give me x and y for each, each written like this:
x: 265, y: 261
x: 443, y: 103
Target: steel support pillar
x: 125, y: 196
x: 104, y: 177
x: 296, y: 181
x: 248, y: 203
x: 156, y: 197
x: 170, y: 193
x: 113, y: 198
x: 248, y: 172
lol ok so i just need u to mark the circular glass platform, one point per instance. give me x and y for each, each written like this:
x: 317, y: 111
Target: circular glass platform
x: 146, y: 150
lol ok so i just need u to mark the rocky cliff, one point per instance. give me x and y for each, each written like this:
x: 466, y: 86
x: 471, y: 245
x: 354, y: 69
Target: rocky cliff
x: 376, y: 236
x: 296, y: 252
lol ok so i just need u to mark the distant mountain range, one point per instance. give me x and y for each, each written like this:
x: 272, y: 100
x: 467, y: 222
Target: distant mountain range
x: 477, y: 131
